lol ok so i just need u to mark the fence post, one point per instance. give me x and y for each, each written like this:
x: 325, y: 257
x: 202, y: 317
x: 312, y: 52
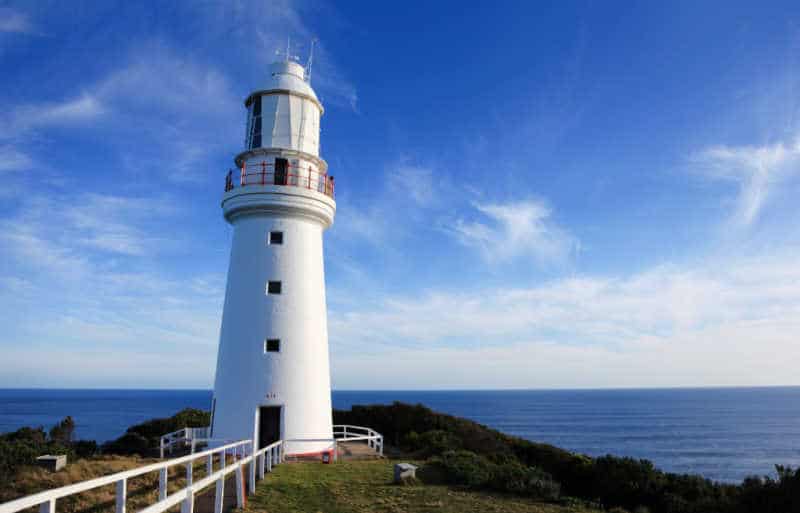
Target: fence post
x: 239, y: 487
x: 209, y: 464
x: 119, y: 498
x: 219, y: 494
x: 262, y: 459
x: 268, y: 454
x: 223, y: 457
x: 187, y: 506
x: 161, y: 446
x: 162, y: 484
x: 189, y: 468
x: 251, y: 467
x: 48, y: 507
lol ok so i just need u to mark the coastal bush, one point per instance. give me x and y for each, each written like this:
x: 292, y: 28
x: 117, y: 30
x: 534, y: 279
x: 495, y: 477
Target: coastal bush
x: 432, y: 443
x: 611, y: 481
x: 22, y: 447
x: 465, y: 468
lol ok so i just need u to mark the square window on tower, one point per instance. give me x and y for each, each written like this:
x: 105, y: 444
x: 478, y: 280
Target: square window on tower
x: 273, y: 287
x: 272, y: 345
x: 276, y: 237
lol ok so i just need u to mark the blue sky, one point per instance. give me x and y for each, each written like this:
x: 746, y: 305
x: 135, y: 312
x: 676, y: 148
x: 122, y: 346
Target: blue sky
x: 580, y: 194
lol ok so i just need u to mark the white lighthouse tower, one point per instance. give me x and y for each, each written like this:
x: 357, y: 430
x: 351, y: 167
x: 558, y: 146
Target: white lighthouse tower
x: 273, y: 373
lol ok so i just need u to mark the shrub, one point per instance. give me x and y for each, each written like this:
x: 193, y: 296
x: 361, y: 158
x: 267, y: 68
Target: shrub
x: 84, y: 448
x: 63, y: 431
x: 516, y: 478
x: 465, y: 468
x: 433, y: 442
x: 127, y: 444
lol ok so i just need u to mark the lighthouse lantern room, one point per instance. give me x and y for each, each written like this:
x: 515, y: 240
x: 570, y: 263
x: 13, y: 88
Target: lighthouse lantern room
x: 273, y: 374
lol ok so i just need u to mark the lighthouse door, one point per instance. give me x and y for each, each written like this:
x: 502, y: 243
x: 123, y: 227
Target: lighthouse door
x: 269, y: 425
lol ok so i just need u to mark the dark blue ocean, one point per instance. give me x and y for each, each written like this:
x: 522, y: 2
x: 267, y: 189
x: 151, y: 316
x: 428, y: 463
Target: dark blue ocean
x: 722, y: 433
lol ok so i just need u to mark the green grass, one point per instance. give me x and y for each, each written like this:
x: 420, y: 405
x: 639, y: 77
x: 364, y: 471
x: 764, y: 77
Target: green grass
x: 366, y: 486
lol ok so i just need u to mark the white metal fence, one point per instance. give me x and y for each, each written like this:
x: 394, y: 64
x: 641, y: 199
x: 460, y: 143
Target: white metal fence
x: 183, y: 437
x: 348, y: 433
x: 259, y: 462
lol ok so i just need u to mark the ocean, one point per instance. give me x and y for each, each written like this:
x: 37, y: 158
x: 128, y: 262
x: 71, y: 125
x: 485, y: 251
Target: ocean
x: 724, y: 434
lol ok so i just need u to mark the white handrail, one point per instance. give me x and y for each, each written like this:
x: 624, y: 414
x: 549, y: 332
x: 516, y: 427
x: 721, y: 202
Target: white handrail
x: 183, y: 435
x: 268, y: 456
x: 373, y: 438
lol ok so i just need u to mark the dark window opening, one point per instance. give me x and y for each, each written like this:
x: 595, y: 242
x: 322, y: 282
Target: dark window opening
x: 281, y: 166
x: 272, y: 345
x: 276, y: 237
x: 255, y: 136
x: 273, y: 287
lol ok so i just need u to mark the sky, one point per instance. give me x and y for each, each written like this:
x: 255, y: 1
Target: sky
x: 529, y: 195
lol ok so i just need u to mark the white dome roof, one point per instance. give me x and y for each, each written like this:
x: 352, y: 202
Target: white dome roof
x: 291, y: 76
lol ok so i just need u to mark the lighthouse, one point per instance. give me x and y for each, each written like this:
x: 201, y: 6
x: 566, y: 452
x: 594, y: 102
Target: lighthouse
x: 273, y: 372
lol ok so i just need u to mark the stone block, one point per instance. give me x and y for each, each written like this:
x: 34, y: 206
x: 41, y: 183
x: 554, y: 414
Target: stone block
x: 404, y: 472
x: 52, y: 462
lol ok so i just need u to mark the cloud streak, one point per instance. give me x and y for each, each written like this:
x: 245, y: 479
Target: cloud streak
x: 757, y: 170
x: 506, y: 231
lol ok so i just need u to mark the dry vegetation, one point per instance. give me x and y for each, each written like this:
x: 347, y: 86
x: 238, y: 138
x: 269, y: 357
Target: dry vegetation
x: 142, y: 490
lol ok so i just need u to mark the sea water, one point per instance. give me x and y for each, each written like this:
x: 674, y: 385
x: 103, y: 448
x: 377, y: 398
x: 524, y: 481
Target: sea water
x: 721, y: 433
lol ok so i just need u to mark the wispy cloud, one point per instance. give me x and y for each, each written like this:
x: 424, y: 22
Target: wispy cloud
x: 505, y: 231
x: 93, y: 282
x: 25, y: 118
x: 415, y: 182
x: 757, y: 170
x: 14, y: 21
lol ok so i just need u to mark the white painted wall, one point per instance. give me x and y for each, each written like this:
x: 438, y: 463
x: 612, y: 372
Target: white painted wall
x: 298, y: 377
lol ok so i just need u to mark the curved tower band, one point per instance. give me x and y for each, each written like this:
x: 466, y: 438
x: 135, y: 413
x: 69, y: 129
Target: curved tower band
x: 273, y: 373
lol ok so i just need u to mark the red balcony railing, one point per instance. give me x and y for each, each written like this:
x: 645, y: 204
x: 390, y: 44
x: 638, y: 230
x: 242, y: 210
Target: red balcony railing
x: 266, y: 173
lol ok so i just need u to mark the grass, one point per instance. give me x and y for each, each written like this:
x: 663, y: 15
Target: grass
x: 366, y: 486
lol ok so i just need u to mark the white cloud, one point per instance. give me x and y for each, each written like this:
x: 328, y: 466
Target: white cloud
x: 756, y: 170
x: 416, y: 182
x: 717, y: 323
x: 14, y: 21
x: 25, y: 118
x: 517, y: 229
x: 83, y: 290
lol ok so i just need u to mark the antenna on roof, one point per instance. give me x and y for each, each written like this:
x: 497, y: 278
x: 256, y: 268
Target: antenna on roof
x: 310, y: 61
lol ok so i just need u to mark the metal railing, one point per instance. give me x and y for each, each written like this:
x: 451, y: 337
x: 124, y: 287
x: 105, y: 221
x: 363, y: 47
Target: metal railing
x: 266, y: 173
x: 348, y: 433
x: 258, y: 462
x: 183, y: 437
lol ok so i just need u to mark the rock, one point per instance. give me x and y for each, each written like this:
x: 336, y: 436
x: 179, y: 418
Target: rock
x: 404, y: 472
x: 52, y: 462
